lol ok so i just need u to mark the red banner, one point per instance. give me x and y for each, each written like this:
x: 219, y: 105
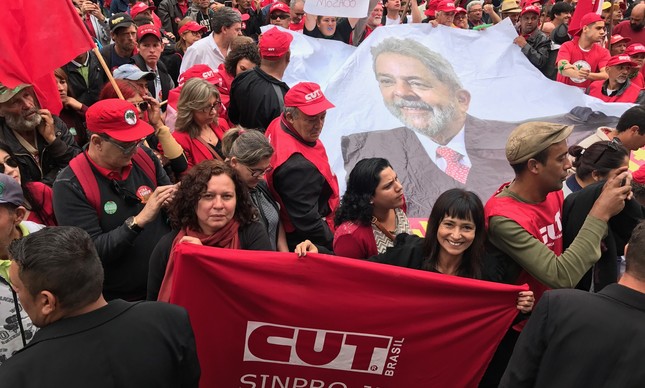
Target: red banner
x: 37, y: 37
x: 267, y: 319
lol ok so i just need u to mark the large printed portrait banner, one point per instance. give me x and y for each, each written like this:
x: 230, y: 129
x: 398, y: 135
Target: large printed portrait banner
x: 410, y: 89
x: 268, y: 319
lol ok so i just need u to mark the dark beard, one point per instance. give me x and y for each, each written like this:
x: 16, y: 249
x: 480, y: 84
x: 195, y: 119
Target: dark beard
x: 637, y: 27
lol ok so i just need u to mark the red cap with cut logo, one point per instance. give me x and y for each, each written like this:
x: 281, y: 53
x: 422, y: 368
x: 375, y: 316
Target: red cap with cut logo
x: 118, y: 119
x: 446, y: 6
x: 274, y: 43
x: 307, y: 97
x: 148, y: 29
x: 621, y: 60
x: 200, y: 71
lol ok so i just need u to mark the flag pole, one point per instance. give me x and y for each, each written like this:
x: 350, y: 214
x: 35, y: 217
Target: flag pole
x: 96, y: 51
x: 610, y: 28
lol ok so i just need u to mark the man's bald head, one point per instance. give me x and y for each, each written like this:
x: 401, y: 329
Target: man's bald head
x: 637, y: 17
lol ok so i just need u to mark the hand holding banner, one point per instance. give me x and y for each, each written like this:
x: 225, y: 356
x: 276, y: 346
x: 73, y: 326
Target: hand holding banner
x: 268, y: 319
x: 340, y: 8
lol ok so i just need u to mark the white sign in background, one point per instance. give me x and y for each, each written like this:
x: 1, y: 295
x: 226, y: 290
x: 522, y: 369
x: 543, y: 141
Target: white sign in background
x: 340, y: 8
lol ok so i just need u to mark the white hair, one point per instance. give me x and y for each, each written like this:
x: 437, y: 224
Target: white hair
x: 474, y: 2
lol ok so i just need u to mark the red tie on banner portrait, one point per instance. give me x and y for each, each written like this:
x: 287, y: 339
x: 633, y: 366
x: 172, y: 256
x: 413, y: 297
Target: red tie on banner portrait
x: 37, y: 37
x: 268, y: 319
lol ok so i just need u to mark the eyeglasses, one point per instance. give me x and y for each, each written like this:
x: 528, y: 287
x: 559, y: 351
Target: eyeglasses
x: 11, y: 162
x: 614, y: 145
x: 476, y: 10
x: 142, y: 105
x: 256, y: 173
x: 210, y: 108
x: 299, y: 14
x: 126, y: 148
x: 275, y: 16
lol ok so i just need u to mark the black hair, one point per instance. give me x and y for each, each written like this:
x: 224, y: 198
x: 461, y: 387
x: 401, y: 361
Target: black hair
x: 457, y: 203
x: 541, y: 157
x: 632, y: 116
x: 560, y: 7
x: 599, y: 157
x: 362, y: 183
x: 61, y: 260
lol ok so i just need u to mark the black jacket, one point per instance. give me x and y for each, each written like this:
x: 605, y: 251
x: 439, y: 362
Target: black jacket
x: 166, y: 79
x: 52, y: 157
x: 124, y: 252
x: 86, y: 93
x: 169, y: 13
x: 252, y: 237
x: 119, y: 345
x: 537, y: 51
x: 574, y: 212
x: 254, y: 99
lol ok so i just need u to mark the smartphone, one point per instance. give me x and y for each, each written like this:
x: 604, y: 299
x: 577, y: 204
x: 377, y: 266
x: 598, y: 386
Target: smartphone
x: 228, y: 3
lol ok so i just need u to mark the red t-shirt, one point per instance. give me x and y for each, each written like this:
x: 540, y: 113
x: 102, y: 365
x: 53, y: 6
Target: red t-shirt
x: 594, y: 60
x: 623, y: 28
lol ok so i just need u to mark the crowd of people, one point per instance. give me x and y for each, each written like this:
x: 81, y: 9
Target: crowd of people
x: 198, y: 140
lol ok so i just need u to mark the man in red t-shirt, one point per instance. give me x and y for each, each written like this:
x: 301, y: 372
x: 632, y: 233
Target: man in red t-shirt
x: 582, y: 60
x: 633, y: 28
x: 618, y: 87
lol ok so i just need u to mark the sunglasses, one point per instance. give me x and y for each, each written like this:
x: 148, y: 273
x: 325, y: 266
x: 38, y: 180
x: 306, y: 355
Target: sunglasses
x: 142, y: 105
x: 281, y: 16
x: 124, y: 193
x: 126, y: 148
x: 614, y: 145
x: 259, y: 173
x: 11, y: 162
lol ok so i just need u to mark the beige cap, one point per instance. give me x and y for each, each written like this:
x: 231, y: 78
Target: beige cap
x: 529, y: 139
x: 510, y: 7
x: 7, y: 94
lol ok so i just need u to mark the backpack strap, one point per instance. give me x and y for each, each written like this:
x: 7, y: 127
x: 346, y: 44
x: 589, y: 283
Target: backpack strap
x: 85, y: 175
x: 83, y: 171
x: 143, y: 160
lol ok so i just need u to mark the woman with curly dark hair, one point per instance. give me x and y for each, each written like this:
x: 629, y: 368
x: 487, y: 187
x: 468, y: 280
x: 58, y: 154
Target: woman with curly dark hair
x: 371, y: 211
x: 211, y: 207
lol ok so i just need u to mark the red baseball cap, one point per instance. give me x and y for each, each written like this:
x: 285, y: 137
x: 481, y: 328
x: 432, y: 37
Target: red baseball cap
x: 118, y: 119
x: 279, y: 6
x: 620, y: 60
x: 200, y: 71
x: 589, y: 18
x: 526, y: 3
x: 635, y: 48
x: 446, y: 6
x: 307, y: 97
x: 530, y: 9
x: 192, y: 26
x: 148, y: 29
x: 619, y: 38
x: 431, y: 8
x: 274, y: 43
x: 459, y: 10
x: 140, y: 7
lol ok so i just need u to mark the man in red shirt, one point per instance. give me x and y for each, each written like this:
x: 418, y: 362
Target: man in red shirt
x: 618, y: 87
x: 633, y: 28
x: 582, y: 60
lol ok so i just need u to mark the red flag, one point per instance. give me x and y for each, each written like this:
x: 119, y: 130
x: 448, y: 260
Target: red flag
x: 268, y: 319
x: 583, y: 7
x: 37, y: 37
